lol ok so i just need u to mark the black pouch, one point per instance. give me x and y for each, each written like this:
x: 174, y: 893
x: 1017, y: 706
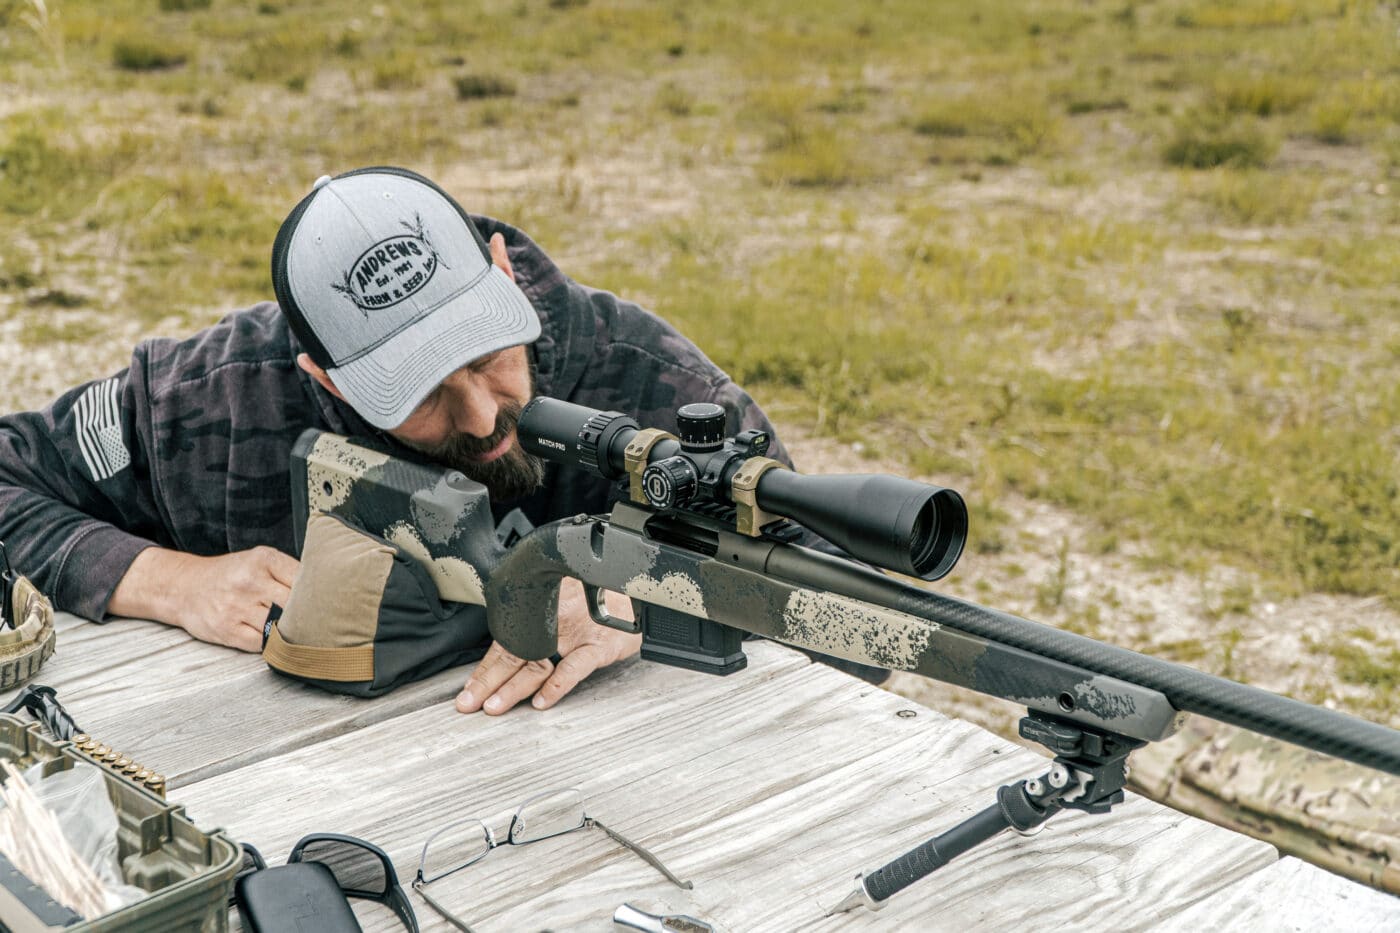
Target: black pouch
x: 298, y: 898
x: 365, y: 617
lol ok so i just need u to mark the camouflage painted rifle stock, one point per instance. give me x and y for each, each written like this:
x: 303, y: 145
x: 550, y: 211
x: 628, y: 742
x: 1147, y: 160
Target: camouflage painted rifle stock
x: 697, y: 567
x: 700, y: 550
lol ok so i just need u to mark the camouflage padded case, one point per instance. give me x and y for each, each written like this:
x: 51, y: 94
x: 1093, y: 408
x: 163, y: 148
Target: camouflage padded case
x: 25, y: 648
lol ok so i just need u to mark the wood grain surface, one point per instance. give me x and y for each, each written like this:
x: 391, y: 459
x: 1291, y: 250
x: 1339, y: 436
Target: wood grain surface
x: 769, y: 790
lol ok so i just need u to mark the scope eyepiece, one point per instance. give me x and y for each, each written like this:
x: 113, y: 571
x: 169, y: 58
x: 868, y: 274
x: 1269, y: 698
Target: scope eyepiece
x: 574, y: 435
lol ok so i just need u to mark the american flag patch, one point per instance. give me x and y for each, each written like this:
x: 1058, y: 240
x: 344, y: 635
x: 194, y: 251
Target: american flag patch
x: 99, y: 430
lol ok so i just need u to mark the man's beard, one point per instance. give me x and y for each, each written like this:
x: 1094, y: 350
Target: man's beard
x: 511, y: 475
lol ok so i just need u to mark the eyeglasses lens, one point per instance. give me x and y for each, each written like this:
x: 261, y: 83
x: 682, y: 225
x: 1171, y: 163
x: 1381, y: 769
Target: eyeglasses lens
x: 547, y: 814
x: 357, y: 870
x: 453, y: 847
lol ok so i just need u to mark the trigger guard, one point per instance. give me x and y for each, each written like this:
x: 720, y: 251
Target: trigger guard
x: 598, y: 611
x: 597, y: 607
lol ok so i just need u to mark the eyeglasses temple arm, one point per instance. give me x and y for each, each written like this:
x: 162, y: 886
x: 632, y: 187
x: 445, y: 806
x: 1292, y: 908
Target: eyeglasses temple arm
x: 442, y: 911
x: 651, y: 860
x: 398, y: 900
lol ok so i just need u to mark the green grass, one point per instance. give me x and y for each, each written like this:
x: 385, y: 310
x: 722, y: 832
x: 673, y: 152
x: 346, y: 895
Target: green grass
x: 998, y: 127
x: 1370, y: 663
x: 1258, y: 198
x: 146, y: 53
x: 1126, y: 258
x: 476, y: 86
x: 1263, y: 95
x: 1208, y: 139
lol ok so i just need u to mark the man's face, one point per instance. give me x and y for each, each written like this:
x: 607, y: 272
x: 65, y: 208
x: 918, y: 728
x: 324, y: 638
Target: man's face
x: 468, y: 423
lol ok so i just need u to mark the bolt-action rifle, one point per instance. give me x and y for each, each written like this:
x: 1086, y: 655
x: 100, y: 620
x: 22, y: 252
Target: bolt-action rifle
x: 704, y: 544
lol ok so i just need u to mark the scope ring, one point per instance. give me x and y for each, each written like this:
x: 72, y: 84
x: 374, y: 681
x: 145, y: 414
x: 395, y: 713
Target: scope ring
x: 635, y: 457
x: 749, y: 518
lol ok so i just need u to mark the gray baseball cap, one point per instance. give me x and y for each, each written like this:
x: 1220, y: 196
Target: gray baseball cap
x: 389, y: 288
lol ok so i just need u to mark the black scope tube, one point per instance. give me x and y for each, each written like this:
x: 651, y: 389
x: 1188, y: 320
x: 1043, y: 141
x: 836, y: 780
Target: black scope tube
x: 578, y: 436
x: 899, y: 524
x: 1323, y: 730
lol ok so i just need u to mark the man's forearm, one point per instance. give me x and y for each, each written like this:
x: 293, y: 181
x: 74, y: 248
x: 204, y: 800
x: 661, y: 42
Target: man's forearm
x: 222, y: 599
x: 151, y: 588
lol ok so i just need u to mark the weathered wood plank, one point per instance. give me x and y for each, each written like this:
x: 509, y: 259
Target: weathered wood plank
x: 769, y: 789
x: 1290, y: 895
x: 192, y: 710
x: 770, y: 794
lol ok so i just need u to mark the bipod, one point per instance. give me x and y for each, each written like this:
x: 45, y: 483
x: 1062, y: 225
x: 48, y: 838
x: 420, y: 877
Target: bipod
x: 1088, y: 773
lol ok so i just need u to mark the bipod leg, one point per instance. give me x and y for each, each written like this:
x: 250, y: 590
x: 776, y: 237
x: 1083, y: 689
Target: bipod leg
x: 1022, y: 806
x: 1088, y: 774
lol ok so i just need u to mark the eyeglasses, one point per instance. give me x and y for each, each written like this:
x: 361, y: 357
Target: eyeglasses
x: 252, y: 861
x: 543, y: 816
x: 361, y: 869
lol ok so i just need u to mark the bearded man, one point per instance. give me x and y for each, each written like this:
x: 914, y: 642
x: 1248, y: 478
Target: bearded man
x: 163, y: 491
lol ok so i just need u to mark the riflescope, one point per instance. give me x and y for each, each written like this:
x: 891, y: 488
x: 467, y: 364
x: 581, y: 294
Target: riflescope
x: 895, y: 523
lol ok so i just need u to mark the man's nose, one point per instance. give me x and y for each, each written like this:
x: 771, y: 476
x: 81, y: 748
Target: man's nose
x: 476, y: 409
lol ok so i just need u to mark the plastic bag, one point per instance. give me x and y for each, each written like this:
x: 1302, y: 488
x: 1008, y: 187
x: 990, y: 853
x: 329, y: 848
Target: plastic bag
x: 77, y: 797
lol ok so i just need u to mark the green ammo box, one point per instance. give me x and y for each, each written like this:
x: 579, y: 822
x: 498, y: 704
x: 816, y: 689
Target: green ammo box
x: 188, y: 872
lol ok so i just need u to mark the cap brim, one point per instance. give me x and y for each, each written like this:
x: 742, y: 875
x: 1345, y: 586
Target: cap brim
x: 386, y: 384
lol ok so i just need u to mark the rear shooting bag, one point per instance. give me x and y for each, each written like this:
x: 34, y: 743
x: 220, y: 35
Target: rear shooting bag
x: 365, y: 617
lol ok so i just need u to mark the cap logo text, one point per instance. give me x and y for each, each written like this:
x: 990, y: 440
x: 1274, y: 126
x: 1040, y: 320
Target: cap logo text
x: 391, y: 270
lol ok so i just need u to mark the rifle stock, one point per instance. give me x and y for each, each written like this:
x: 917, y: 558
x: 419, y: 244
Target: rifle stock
x: 701, y: 569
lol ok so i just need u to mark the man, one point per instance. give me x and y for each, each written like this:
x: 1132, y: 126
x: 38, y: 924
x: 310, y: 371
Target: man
x: 163, y: 493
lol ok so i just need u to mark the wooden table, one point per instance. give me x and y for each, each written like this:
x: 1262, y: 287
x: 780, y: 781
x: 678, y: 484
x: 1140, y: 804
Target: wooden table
x: 769, y: 789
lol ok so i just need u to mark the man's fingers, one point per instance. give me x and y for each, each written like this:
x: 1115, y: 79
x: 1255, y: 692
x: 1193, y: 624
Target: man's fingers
x: 525, y: 682
x: 272, y: 593
x: 568, y: 674
x: 282, y: 567
x: 492, y: 671
x: 245, y: 638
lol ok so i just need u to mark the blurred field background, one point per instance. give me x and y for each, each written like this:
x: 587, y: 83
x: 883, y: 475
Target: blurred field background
x: 1122, y: 272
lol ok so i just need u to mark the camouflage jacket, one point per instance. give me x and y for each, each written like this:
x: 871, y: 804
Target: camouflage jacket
x: 188, y: 447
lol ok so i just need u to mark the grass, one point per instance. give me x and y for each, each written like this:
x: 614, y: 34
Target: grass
x: 1258, y: 198
x: 477, y: 86
x: 1126, y: 258
x: 1001, y: 127
x: 1208, y: 139
x: 1264, y: 95
x: 144, y: 53
x: 1370, y: 663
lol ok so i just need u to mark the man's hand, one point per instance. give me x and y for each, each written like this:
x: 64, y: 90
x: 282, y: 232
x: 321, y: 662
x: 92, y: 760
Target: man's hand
x: 502, y: 680
x: 223, y: 600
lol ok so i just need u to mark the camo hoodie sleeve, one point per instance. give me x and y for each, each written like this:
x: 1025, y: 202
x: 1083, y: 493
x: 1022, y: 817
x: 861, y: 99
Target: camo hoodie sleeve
x: 187, y: 449
x: 76, y: 505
